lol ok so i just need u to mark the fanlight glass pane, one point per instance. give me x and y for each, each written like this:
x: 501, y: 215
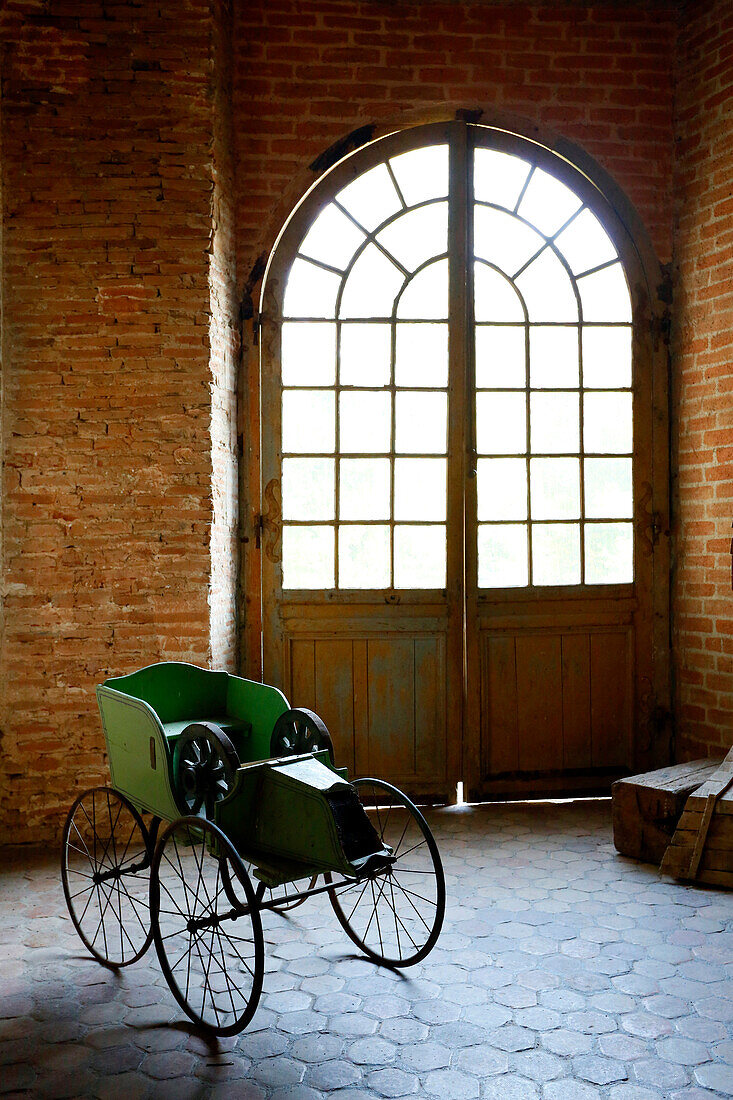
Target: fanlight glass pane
x: 308, y: 488
x: 609, y: 553
x: 419, y: 489
x: 364, y: 488
x: 500, y: 357
x: 310, y: 291
x: 554, y: 423
x: 554, y: 488
x: 308, y: 353
x: 371, y: 286
x: 421, y: 356
x: 553, y: 357
x: 502, y: 488
x: 501, y: 423
x: 421, y: 423
x: 363, y: 557
x: 606, y: 357
x: 308, y: 557
x: 585, y: 243
x: 547, y: 203
x: 365, y: 422
x: 422, y: 174
x: 555, y: 553
x: 547, y: 290
x: 333, y: 238
x: 365, y: 354
x: 608, y: 492
x: 607, y: 423
x: 309, y: 422
x: 502, y: 556
x: 499, y: 177
x: 419, y: 556
x: 371, y: 198
x: 426, y: 296
x: 418, y: 235
x: 495, y: 297
x: 605, y: 295
x: 503, y: 239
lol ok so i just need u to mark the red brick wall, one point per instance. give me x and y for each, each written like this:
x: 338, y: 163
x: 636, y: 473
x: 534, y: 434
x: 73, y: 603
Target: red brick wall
x: 108, y: 162
x: 703, y: 346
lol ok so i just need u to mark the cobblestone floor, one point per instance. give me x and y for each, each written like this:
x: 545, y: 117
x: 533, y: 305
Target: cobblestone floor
x: 563, y: 972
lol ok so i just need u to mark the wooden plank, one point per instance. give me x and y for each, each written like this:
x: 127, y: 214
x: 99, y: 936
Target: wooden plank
x: 576, y: 740
x: 430, y: 717
x: 334, y: 695
x: 539, y: 703
x: 361, y: 708
x: 499, y: 730
x: 610, y: 701
x: 390, y: 688
x: 302, y: 687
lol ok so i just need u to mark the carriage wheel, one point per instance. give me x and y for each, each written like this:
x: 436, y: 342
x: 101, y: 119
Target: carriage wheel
x: 211, y: 952
x: 105, y: 873
x: 299, y: 731
x: 396, y: 914
x: 205, y: 766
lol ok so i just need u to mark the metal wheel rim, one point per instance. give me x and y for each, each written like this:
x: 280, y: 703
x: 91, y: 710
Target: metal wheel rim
x: 206, y: 754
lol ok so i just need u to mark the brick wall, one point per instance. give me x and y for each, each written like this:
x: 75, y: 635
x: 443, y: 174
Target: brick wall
x: 703, y: 355
x: 110, y: 375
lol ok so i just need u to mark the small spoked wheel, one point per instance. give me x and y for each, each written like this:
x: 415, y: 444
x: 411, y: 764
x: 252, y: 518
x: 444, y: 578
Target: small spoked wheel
x: 205, y: 765
x: 105, y: 873
x: 395, y: 915
x: 299, y: 731
x: 211, y: 950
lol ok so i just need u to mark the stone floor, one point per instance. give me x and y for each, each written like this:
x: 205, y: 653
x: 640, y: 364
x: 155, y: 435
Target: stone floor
x: 563, y: 972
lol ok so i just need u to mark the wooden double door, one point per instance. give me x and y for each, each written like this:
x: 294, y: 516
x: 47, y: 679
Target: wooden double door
x: 463, y: 470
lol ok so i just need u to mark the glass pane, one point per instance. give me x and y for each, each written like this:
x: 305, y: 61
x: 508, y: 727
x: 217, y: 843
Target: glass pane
x: 333, y: 238
x: 585, y: 243
x: 554, y: 488
x: 502, y: 488
x: 554, y: 423
x: 605, y: 295
x: 308, y: 557
x: 371, y: 286
x: 499, y: 177
x: 309, y: 421
x: 419, y: 557
x: 310, y: 291
x: 363, y: 557
x: 365, y: 354
x: 607, y: 423
x: 417, y: 236
x: 364, y: 488
x: 308, y: 488
x: 553, y: 358
x: 419, y: 488
x: 556, y: 553
x: 308, y: 354
x: 501, y: 423
x: 421, y: 423
x: 547, y: 203
x: 500, y: 357
x: 609, y: 553
x: 502, y: 556
x: 422, y: 173
x: 547, y: 290
x: 371, y: 198
x: 608, y: 493
x: 495, y: 297
x: 421, y: 357
x: 426, y: 296
x: 503, y: 239
x: 606, y: 357
x: 365, y: 422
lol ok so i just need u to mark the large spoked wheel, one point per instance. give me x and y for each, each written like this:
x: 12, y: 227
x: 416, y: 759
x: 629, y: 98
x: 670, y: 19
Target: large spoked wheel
x: 299, y: 731
x: 105, y: 873
x: 396, y: 914
x: 211, y: 951
x: 205, y: 766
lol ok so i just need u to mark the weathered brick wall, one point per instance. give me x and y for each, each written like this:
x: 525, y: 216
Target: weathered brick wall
x: 107, y: 124
x: 703, y: 356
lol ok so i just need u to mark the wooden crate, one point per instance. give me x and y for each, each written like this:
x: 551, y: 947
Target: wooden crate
x: 701, y: 849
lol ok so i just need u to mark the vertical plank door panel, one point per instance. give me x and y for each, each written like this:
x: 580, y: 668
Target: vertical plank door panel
x: 539, y: 702
x: 610, y: 699
x: 334, y: 697
x: 430, y: 724
x: 391, y: 692
x: 302, y: 687
x: 499, y: 732
x: 576, y: 701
